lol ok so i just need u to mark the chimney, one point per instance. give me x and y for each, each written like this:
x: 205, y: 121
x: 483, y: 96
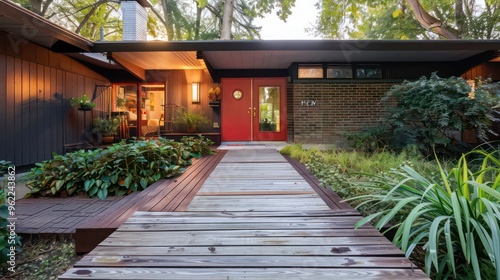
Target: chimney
x: 135, y: 19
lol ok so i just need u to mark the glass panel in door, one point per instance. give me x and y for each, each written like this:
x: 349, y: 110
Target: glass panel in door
x: 269, y: 109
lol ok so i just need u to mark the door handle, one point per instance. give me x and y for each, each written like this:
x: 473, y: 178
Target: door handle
x: 254, y: 113
x: 249, y: 109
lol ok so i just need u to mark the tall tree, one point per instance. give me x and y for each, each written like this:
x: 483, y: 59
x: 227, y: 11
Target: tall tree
x: 37, y: 6
x: 216, y: 19
x: 87, y: 17
x: 227, y: 20
x: 413, y: 19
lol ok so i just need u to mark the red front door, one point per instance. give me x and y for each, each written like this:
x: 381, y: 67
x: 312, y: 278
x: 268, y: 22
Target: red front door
x: 253, y: 109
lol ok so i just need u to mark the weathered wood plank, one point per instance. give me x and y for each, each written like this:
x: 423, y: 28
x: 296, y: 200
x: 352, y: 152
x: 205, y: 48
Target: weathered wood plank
x: 236, y: 226
x: 253, y: 208
x: 249, y: 220
x: 245, y: 261
x: 272, y: 198
x: 241, y: 220
x: 134, y: 239
x: 242, y: 273
x: 320, y: 250
x: 252, y: 193
x: 255, y: 214
x: 148, y: 234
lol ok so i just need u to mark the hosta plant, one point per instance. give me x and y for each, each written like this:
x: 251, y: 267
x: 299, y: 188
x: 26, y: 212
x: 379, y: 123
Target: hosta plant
x: 118, y: 170
x: 455, y: 220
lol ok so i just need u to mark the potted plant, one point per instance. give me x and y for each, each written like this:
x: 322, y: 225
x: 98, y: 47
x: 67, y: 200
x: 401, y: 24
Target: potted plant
x: 214, y: 96
x: 83, y: 102
x: 107, y: 128
x: 190, y: 121
x: 121, y: 102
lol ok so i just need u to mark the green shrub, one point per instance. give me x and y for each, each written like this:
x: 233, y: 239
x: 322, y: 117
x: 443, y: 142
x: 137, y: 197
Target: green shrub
x: 4, y: 166
x: 427, y: 110
x: 373, y: 139
x: 198, y: 146
x: 455, y: 219
x: 118, y: 170
x: 337, y: 169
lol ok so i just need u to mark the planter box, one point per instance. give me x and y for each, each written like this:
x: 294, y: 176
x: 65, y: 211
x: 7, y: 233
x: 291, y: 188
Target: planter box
x: 215, y: 137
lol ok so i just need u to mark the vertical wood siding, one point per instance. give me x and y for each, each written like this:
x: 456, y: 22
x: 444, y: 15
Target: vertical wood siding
x: 485, y: 70
x: 35, y: 116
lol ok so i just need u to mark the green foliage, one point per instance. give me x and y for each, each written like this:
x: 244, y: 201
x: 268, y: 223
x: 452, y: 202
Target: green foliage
x: 371, y: 140
x: 118, y: 170
x: 428, y: 109
x: 337, y: 169
x: 83, y: 100
x: 4, y: 166
x: 184, y: 120
x: 198, y: 146
x: 455, y: 218
x: 106, y: 127
x: 390, y: 19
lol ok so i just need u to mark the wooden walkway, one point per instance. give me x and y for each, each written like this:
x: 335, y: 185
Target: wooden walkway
x: 255, y: 217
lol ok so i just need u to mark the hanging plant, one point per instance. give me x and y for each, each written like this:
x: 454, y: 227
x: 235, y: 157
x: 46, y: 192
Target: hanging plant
x: 83, y: 102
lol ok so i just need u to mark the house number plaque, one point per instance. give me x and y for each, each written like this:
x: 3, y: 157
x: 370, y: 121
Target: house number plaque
x: 308, y: 103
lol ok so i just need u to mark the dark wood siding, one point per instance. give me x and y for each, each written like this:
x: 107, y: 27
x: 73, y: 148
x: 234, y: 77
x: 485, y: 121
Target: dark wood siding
x: 35, y: 87
x: 485, y: 70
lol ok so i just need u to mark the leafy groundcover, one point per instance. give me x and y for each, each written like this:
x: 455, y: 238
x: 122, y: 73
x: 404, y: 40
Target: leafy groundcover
x: 120, y: 169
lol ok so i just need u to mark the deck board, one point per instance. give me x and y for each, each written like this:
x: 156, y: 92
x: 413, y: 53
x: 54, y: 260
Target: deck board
x: 256, y: 215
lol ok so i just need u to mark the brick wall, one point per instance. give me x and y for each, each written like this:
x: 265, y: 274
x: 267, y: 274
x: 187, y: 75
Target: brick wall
x: 333, y: 109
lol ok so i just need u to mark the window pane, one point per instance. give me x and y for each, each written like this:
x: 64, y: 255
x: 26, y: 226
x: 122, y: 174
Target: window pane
x: 269, y: 109
x: 369, y: 72
x: 339, y: 71
x: 311, y: 71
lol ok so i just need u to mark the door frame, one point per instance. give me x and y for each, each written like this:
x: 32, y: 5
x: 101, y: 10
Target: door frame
x: 246, y: 114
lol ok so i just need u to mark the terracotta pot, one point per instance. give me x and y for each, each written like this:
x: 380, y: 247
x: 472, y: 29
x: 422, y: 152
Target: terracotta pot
x: 108, y: 139
x: 190, y: 129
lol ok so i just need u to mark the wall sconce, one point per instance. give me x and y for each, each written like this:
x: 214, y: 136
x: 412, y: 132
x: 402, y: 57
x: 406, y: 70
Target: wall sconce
x: 196, y: 93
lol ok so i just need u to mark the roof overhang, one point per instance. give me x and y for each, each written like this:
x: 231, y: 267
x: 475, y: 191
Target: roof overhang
x: 26, y: 25
x: 280, y: 54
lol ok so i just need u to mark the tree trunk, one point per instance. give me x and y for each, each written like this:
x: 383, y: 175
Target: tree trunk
x: 36, y: 7
x: 430, y: 22
x: 197, y: 23
x: 165, y: 4
x: 460, y: 17
x: 227, y: 19
x: 89, y: 14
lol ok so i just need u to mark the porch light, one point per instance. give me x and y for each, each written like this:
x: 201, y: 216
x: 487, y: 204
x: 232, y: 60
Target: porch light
x: 196, y: 92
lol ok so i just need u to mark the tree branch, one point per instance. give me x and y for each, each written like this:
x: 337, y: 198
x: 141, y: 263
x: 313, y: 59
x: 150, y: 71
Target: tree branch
x: 428, y: 21
x: 90, y: 14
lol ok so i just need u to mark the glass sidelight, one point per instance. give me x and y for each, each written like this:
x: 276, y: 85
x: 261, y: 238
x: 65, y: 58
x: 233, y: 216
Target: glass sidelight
x: 269, y: 109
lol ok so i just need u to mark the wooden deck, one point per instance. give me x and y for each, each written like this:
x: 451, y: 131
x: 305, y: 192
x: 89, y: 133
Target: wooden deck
x: 255, y: 217
x: 90, y: 220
